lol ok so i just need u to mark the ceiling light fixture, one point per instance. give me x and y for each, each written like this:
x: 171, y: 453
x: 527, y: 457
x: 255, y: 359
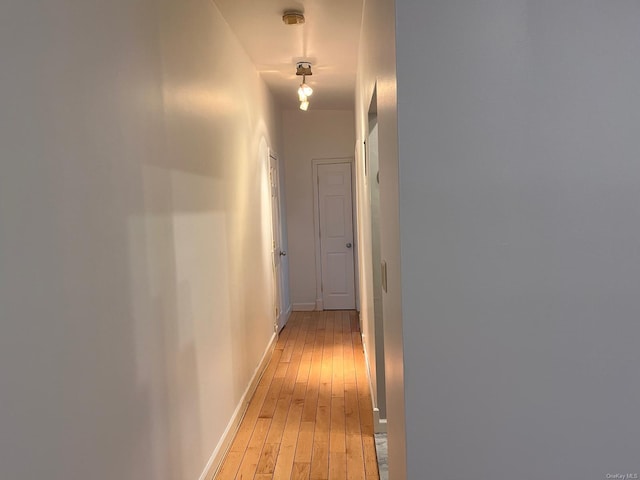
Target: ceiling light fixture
x: 304, y: 91
x: 293, y: 18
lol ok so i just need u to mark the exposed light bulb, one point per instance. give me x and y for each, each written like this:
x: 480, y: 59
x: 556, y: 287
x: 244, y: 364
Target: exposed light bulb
x: 305, y: 90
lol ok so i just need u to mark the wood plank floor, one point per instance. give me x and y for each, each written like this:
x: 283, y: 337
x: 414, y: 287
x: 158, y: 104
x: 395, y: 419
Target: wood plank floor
x: 311, y: 415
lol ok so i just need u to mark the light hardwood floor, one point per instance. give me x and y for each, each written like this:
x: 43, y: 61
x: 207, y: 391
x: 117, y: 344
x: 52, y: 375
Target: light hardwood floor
x: 311, y: 415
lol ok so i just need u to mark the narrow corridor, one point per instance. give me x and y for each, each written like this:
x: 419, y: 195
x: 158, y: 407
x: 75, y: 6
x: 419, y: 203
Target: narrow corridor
x: 311, y: 414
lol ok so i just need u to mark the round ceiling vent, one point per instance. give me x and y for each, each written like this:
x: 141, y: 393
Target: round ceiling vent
x: 293, y: 18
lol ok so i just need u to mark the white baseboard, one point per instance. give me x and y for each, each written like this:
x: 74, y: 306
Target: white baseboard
x: 319, y: 304
x: 215, y: 461
x: 303, y: 307
x: 379, y: 424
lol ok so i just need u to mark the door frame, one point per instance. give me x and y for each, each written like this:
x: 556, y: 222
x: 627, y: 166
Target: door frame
x: 316, y: 224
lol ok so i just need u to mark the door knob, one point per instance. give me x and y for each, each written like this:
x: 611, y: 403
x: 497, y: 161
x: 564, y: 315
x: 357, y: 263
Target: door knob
x: 283, y: 254
x: 348, y: 245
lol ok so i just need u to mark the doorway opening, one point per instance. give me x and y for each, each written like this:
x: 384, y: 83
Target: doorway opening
x: 378, y: 268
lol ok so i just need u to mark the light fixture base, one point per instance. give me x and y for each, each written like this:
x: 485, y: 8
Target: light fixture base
x: 303, y: 68
x: 293, y: 18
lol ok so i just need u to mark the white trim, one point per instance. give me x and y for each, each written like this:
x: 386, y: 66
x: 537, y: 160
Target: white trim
x: 354, y: 213
x: 215, y: 461
x: 303, y: 307
x: 316, y: 223
x: 379, y: 424
x: 319, y: 304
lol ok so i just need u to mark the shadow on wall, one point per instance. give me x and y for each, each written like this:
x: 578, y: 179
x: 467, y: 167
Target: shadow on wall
x: 204, y: 265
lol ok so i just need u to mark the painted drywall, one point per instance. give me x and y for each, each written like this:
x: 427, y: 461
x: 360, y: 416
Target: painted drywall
x: 314, y: 134
x: 519, y: 194
x: 135, y: 271
x: 377, y: 72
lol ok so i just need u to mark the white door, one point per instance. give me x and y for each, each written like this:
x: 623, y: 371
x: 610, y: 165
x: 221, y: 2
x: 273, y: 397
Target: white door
x: 276, y: 250
x: 336, y: 236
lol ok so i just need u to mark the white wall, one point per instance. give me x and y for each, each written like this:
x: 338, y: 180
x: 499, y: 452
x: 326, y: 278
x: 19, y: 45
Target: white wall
x: 376, y: 66
x: 135, y: 275
x: 519, y: 194
x: 307, y: 136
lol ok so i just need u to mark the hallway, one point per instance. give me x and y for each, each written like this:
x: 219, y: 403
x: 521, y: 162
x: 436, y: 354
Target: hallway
x: 310, y: 417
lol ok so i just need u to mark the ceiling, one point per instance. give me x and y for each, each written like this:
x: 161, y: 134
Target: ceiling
x: 329, y: 40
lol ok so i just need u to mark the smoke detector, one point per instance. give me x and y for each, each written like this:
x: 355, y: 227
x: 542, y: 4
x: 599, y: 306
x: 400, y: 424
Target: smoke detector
x: 293, y: 18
